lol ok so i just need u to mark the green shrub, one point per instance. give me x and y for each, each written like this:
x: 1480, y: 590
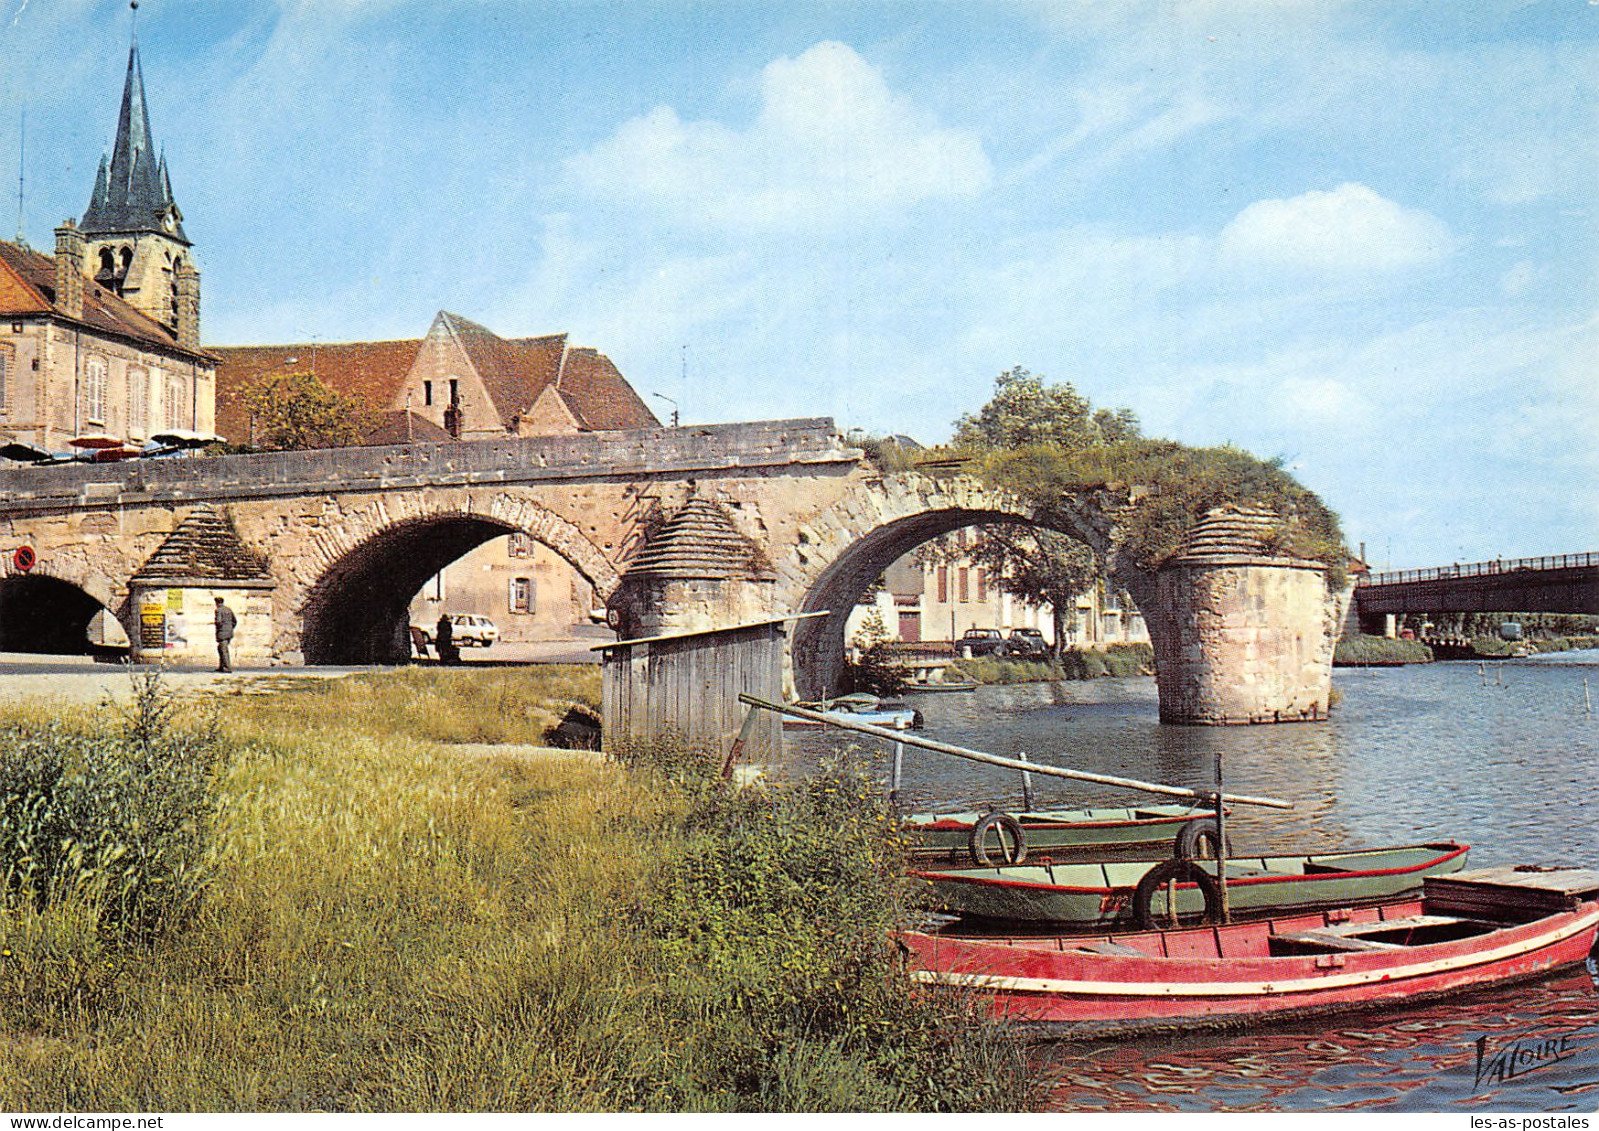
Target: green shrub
x: 117, y: 822
x: 1380, y: 650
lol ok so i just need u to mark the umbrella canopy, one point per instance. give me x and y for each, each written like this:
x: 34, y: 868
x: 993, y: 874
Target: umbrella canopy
x: 25, y: 453
x: 95, y: 441
x: 185, y: 438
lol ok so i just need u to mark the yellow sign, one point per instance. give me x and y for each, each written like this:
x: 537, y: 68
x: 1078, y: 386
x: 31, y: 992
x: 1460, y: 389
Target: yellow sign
x: 175, y: 600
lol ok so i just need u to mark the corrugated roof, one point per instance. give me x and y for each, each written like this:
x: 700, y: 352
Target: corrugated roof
x: 28, y: 286
x: 699, y: 542
x: 204, y: 549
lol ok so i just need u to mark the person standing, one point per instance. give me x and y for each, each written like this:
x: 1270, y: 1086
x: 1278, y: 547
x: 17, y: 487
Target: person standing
x: 444, y: 640
x: 226, y: 622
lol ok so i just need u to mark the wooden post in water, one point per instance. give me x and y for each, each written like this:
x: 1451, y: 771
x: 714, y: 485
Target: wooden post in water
x: 1027, y: 783
x: 899, y: 761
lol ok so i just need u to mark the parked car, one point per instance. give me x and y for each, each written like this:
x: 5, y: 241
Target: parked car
x: 1028, y: 642
x: 975, y: 642
x: 466, y: 629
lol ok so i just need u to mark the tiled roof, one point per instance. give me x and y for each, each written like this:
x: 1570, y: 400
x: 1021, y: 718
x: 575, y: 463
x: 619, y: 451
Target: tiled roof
x: 599, y: 396
x: 699, y: 541
x: 204, y: 549
x: 393, y: 428
x: 513, y: 370
x: 28, y: 286
x: 369, y: 373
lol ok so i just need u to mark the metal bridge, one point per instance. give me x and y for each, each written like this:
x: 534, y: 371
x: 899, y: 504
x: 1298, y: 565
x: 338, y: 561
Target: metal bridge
x: 1563, y: 583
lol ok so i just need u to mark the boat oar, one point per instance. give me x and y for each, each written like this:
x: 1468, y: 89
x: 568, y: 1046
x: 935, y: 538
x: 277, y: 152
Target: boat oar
x: 1011, y: 763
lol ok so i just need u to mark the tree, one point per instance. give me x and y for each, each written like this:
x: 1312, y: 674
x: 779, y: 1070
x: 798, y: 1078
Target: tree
x: 1042, y: 567
x: 296, y: 410
x: 1024, y: 411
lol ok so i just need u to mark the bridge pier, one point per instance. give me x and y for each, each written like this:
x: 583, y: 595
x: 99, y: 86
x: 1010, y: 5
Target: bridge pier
x: 1241, y: 636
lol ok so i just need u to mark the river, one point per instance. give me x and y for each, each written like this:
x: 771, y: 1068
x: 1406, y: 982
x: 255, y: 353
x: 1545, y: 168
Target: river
x: 1503, y: 756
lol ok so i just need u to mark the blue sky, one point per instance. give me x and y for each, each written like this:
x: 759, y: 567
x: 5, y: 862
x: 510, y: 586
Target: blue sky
x: 1359, y: 236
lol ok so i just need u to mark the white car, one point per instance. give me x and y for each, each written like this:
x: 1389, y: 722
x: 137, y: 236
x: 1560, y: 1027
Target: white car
x: 466, y: 629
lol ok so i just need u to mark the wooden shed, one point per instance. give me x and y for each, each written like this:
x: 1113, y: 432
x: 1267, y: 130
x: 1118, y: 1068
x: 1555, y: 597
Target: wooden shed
x: 684, y: 687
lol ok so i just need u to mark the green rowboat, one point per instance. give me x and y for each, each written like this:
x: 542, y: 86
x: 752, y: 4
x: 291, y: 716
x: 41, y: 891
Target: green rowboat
x: 1139, y: 832
x: 1117, y: 894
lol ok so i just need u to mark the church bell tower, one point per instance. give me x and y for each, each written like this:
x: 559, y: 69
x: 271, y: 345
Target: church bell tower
x: 133, y: 231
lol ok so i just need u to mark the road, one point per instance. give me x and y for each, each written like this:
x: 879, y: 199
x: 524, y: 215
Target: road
x: 81, y: 679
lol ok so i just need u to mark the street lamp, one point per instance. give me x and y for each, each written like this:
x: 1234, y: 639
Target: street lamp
x: 671, y: 402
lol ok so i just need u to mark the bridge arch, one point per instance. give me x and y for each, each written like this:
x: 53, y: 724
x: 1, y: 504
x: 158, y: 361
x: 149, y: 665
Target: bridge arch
x: 346, y: 602
x: 841, y: 551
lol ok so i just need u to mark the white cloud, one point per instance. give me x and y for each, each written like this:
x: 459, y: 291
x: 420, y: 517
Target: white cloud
x: 1350, y: 230
x: 831, y: 141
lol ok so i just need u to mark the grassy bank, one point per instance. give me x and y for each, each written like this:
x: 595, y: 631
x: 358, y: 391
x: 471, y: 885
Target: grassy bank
x: 1378, y: 650
x: 373, y: 921
x: 1075, y: 663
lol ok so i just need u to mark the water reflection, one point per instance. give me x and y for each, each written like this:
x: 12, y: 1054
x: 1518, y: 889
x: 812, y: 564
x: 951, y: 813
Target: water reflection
x: 1504, y: 757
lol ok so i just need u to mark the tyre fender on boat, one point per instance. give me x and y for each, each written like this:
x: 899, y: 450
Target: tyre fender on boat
x: 1201, y: 830
x: 1008, y: 827
x: 1182, y: 871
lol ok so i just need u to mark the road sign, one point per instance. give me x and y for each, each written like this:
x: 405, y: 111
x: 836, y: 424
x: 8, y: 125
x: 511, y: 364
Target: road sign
x: 23, y: 558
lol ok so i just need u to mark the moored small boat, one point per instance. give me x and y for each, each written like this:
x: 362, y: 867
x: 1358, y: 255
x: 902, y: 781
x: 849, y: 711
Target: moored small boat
x: 1468, y: 931
x: 1113, y: 894
x: 1061, y: 833
x: 861, y: 708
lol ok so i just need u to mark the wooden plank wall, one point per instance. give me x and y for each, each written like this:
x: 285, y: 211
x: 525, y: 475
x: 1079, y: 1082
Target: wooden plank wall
x: 686, y: 689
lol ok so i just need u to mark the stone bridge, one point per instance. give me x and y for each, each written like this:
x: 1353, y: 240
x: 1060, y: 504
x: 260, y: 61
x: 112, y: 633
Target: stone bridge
x: 677, y: 529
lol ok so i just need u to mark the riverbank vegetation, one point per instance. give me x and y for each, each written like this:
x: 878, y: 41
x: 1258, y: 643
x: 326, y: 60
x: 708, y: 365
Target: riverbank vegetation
x: 1074, y: 664
x: 341, y: 914
x: 1358, y: 651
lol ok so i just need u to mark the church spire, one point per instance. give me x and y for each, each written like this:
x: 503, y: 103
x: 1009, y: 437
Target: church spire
x: 135, y: 195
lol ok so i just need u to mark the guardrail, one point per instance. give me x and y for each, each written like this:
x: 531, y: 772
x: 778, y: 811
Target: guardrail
x: 1479, y: 569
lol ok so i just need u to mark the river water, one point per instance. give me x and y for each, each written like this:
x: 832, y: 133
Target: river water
x: 1503, y: 756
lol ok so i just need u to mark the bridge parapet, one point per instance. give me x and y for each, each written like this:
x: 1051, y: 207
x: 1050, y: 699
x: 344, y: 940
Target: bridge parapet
x: 1478, y: 569
x: 675, y: 452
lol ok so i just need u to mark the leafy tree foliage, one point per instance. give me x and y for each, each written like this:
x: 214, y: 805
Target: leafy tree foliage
x: 1042, y: 441
x: 296, y: 410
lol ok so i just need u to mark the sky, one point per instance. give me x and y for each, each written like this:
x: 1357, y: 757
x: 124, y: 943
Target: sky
x: 1360, y: 237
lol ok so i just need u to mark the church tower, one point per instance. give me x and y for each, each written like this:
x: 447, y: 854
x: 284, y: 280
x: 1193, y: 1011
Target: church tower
x: 133, y: 231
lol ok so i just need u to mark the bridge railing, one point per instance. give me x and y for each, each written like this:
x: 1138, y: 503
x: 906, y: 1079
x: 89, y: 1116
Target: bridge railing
x: 1480, y: 569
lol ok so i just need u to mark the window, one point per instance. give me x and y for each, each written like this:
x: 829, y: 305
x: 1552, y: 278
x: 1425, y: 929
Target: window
x: 6, y: 356
x: 455, y: 391
x: 174, y: 408
x: 522, y: 591
x: 94, y: 388
x: 982, y: 585
x: 138, y: 401
x: 518, y: 545
x: 961, y: 585
x: 427, y: 392
x: 943, y: 585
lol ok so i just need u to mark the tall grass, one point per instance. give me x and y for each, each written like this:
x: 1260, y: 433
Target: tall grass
x: 389, y: 925
x: 1074, y: 663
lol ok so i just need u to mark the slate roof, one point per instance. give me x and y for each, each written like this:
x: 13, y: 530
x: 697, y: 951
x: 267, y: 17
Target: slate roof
x: 28, y: 287
x: 205, y: 550
x: 391, y: 427
x: 370, y: 373
x: 133, y: 192
x: 598, y: 395
x: 699, y: 541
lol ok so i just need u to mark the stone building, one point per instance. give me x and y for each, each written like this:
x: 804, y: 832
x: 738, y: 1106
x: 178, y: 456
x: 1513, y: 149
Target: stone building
x: 464, y: 381
x: 104, y: 338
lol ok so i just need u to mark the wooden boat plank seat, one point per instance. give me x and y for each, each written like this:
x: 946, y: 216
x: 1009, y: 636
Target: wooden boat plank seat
x: 1330, y: 941
x: 1408, y: 923
x: 1106, y: 946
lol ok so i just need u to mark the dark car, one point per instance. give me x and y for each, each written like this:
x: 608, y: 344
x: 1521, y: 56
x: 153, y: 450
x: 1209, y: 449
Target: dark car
x: 1027, y: 642
x: 980, y: 642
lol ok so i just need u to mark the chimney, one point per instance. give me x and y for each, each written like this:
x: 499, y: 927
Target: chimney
x: 188, y: 306
x: 69, y: 270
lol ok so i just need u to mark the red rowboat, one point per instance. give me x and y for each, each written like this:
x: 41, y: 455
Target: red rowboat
x: 1469, y: 930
